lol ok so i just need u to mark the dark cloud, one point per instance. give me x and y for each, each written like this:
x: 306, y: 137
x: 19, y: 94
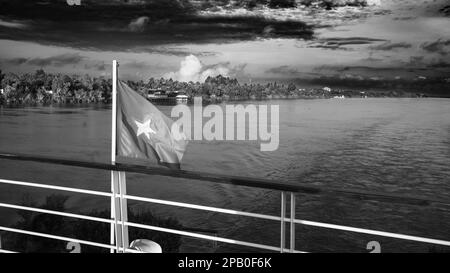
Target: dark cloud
x: 440, y: 46
x: 416, y: 61
x: 179, y: 52
x: 370, y: 70
x: 283, y: 70
x: 137, y: 65
x: 404, y: 18
x: 372, y: 59
x: 415, y: 66
x: 106, y: 25
x: 341, y: 43
x: 58, y: 60
x: 13, y: 24
x: 96, y: 65
x: 351, y: 41
x: 445, y: 10
x: 440, y: 64
x: 390, y: 46
x: 18, y: 61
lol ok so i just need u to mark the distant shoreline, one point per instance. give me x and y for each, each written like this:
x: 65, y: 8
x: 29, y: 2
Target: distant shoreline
x: 217, y: 100
x: 190, y: 101
x: 43, y: 88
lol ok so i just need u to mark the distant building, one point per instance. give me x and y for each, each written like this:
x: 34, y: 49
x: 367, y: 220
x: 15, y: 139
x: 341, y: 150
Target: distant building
x: 156, y: 94
x: 339, y: 97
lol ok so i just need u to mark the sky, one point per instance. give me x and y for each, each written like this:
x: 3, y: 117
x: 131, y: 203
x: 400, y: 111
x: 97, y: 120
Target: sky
x: 189, y: 40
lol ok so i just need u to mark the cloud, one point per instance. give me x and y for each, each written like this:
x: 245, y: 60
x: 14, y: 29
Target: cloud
x: 139, y: 24
x: 440, y: 64
x: 137, y: 65
x: 58, y: 60
x: 445, y: 10
x: 96, y: 65
x: 342, y: 42
x: 177, y: 51
x: 416, y: 61
x: 135, y: 25
x: 191, y: 69
x: 371, y: 59
x: 414, y: 66
x: 17, y: 61
x: 390, y: 46
x: 13, y: 24
x: 404, y: 18
x: 439, y: 46
x: 283, y: 70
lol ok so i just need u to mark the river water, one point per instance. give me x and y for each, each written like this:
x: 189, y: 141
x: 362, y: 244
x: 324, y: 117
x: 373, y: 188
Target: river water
x: 399, y: 146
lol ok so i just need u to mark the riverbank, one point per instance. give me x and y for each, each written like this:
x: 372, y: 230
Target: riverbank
x: 45, y: 89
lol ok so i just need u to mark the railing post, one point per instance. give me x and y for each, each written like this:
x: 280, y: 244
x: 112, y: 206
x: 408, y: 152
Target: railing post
x: 116, y: 230
x: 123, y: 209
x: 292, y: 237
x: 113, y: 214
x: 283, y: 228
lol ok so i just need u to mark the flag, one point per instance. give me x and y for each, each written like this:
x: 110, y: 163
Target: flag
x: 144, y: 132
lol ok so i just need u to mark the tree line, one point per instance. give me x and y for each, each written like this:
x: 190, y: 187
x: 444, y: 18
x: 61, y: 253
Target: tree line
x: 47, y: 88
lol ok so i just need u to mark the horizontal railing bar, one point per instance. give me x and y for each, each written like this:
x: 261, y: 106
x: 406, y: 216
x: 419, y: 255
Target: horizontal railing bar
x: 200, y: 207
x: 61, y: 238
x: 287, y: 220
x: 227, y: 179
x: 134, y: 224
x: 373, y: 232
x: 297, y: 221
x: 84, y: 217
x: 60, y: 188
x: 53, y: 212
x: 128, y: 250
x: 202, y: 236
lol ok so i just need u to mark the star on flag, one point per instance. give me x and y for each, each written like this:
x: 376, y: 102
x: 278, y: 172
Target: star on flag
x: 144, y: 128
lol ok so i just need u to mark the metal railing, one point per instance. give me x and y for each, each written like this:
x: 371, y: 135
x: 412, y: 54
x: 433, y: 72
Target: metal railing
x: 119, y: 222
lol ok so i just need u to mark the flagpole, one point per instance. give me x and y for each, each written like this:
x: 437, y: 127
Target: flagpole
x: 119, y: 208
x: 114, y: 112
x: 114, y: 232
